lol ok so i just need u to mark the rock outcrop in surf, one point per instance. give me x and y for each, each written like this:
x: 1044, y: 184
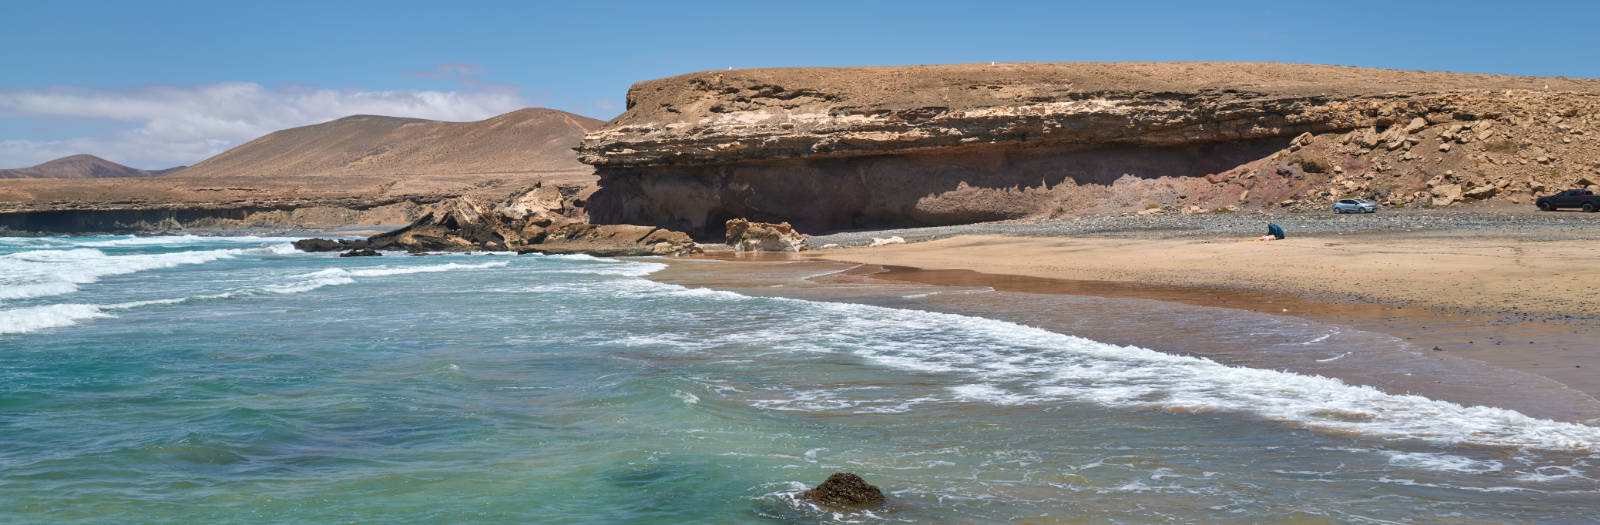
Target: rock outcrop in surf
x: 845, y: 490
x: 543, y: 219
x: 838, y: 148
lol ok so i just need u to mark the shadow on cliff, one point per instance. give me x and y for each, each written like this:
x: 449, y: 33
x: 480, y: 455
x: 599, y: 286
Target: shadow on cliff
x: 948, y: 186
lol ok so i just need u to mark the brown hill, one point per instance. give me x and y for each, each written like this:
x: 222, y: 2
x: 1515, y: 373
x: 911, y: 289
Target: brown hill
x: 354, y: 163
x: 79, y: 167
x: 533, y: 140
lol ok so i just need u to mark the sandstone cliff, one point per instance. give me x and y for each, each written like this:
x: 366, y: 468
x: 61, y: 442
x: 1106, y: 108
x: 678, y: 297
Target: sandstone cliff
x: 836, y: 148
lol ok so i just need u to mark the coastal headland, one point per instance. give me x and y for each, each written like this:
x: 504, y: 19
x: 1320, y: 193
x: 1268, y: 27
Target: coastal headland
x: 1122, y: 180
x: 871, y: 147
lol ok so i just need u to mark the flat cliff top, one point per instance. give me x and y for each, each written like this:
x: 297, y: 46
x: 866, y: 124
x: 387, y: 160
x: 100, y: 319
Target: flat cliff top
x: 759, y: 115
x: 690, y: 97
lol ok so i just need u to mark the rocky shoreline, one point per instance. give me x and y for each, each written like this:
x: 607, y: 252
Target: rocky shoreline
x: 543, y: 219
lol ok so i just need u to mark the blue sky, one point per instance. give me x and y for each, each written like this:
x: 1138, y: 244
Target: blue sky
x: 154, y: 83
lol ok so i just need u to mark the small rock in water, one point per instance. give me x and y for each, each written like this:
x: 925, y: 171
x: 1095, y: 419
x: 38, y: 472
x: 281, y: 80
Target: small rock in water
x: 363, y: 252
x: 320, y: 245
x: 844, y: 489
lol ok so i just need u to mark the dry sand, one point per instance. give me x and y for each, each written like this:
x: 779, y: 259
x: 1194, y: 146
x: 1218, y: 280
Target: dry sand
x: 1555, y: 277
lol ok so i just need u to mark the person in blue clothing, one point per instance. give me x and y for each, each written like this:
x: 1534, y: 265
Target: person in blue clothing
x: 1274, y: 232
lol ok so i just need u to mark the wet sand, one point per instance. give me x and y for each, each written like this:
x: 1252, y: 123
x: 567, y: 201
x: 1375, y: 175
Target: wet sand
x: 1533, y: 366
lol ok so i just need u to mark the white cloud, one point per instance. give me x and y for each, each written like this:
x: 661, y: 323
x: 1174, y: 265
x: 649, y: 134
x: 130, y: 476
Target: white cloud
x: 171, y: 125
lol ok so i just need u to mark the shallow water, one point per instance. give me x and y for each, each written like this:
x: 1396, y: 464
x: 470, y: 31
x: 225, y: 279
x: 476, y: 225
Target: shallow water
x: 233, y: 379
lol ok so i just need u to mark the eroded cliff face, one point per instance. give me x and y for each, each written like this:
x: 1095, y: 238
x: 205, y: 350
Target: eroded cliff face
x: 838, y: 148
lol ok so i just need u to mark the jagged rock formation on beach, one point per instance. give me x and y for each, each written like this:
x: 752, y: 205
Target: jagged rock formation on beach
x: 543, y: 219
x: 363, y: 169
x: 746, y: 236
x: 834, y: 148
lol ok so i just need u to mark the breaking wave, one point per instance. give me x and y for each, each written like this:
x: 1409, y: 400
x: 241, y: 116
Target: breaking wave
x: 43, y: 273
x: 1005, y: 363
x: 35, y: 318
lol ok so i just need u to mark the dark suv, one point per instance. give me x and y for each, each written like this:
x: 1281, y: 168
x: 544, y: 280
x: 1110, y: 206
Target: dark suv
x: 1584, y: 199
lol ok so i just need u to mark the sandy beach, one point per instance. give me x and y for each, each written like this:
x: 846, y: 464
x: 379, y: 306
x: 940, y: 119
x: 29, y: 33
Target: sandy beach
x: 1506, y: 300
x: 1462, y: 274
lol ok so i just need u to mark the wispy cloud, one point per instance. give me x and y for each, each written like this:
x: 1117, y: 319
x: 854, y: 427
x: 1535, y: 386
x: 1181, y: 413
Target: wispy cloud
x: 169, y: 125
x: 450, y: 70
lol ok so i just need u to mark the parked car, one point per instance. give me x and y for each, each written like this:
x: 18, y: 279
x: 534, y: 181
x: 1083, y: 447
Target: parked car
x: 1582, y: 199
x: 1355, y: 206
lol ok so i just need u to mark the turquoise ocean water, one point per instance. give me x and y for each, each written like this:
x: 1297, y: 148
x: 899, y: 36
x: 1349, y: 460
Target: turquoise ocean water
x: 217, y: 379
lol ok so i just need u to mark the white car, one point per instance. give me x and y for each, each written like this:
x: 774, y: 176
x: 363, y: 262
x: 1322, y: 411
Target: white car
x: 1354, y: 206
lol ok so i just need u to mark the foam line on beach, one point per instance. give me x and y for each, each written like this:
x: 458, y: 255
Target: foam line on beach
x: 1005, y: 363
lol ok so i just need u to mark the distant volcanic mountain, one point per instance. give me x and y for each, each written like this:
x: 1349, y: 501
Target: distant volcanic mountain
x: 364, y: 146
x: 362, y: 169
x: 80, y: 167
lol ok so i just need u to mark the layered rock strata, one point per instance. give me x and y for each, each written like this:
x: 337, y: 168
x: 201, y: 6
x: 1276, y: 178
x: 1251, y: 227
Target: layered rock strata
x: 838, y: 148
x: 543, y: 219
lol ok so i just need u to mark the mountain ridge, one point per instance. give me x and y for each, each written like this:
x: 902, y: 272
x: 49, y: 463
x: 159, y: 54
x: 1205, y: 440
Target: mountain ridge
x: 360, y: 169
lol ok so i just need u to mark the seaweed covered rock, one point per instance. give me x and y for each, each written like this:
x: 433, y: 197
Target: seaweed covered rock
x: 844, y: 489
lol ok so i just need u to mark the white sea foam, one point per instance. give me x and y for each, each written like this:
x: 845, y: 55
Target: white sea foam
x: 1010, y: 364
x: 622, y: 269
x: 1552, y: 473
x: 34, y: 318
x: 1321, y: 338
x: 432, y: 268
x: 573, y: 257
x: 686, y: 397
x: 339, y: 276
x: 43, y: 273
x: 173, y: 240
x: 1442, y: 462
